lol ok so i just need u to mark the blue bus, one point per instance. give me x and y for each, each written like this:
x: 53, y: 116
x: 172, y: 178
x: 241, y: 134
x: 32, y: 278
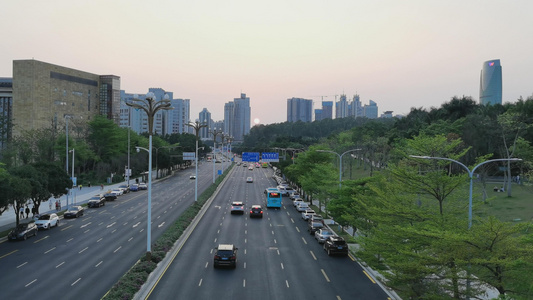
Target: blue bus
x: 273, y: 198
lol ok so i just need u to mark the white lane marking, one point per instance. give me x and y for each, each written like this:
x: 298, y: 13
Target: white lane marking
x: 28, y: 284
x: 96, y: 266
x: 99, y: 240
x: 117, y: 249
x: 312, y: 254
x: 325, y: 276
x: 297, y: 229
x: 304, y: 240
x: 287, y: 283
x: 83, y: 250
x: 131, y: 238
x: 60, y: 265
x: 85, y: 225
x: 282, y: 266
x: 136, y: 224
x: 75, y: 281
x: 200, y: 283
x: 70, y: 240
x: 111, y: 224
x: 21, y: 265
x: 49, y: 250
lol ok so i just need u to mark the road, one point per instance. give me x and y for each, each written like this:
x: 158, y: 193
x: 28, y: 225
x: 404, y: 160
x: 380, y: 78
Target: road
x: 277, y: 258
x: 84, y: 257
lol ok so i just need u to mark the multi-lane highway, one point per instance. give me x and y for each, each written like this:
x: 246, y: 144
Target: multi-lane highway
x: 277, y: 257
x: 84, y: 257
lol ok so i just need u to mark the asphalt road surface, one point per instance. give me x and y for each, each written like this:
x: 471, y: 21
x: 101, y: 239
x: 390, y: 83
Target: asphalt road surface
x: 277, y: 257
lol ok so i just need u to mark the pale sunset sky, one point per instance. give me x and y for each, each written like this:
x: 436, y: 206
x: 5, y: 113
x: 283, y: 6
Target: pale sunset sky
x: 400, y: 54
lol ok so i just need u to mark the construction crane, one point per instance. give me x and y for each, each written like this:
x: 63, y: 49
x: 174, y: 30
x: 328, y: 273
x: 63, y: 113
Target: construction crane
x: 322, y: 97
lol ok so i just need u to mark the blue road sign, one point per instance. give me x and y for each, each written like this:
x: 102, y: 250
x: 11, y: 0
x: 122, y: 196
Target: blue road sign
x: 250, y: 156
x: 270, y: 157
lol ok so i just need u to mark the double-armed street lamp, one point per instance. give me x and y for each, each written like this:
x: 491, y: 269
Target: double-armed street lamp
x: 340, y: 161
x: 196, y: 126
x: 214, y: 132
x: 470, y: 175
x: 151, y: 106
x: 72, y: 173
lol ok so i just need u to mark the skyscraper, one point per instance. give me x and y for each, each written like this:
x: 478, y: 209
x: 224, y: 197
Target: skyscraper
x: 237, y: 116
x: 371, y: 110
x: 490, y: 86
x: 327, y: 110
x: 205, y: 117
x: 341, y: 107
x: 299, y: 109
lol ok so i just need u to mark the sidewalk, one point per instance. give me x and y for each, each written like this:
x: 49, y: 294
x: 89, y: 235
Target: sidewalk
x: 76, y: 197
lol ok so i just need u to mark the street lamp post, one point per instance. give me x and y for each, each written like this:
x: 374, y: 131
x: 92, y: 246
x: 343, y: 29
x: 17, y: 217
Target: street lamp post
x: 470, y: 175
x: 223, y: 136
x: 214, y: 132
x: 151, y: 107
x: 197, y: 126
x: 72, y: 171
x: 340, y: 161
x: 128, y: 171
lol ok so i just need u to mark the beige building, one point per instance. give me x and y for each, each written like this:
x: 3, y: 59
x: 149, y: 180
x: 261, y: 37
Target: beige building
x: 44, y: 94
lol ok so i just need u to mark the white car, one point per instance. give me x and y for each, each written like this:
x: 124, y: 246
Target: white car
x: 46, y: 221
x: 119, y: 192
x: 192, y: 176
x: 323, y: 234
x: 297, y: 202
x: 307, y: 214
x: 302, y: 207
x: 249, y: 180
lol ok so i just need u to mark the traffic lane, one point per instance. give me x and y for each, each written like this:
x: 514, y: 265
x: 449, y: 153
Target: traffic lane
x: 62, y: 278
x: 196, y: 256
x: 346, y: 275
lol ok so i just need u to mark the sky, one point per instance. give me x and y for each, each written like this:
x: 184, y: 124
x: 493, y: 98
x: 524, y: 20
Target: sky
x: 400, y: 54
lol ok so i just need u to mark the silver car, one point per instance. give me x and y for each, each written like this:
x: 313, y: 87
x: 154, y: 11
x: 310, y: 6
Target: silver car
x: 323, y: 234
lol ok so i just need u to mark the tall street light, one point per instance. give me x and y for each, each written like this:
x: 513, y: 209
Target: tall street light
x: 151, y: 106
x: 72, y: 170
x: 128, y: 170
x: 214, y: 132
x: 470, y: 175
x: 197, y: 126
x: 340, y: 161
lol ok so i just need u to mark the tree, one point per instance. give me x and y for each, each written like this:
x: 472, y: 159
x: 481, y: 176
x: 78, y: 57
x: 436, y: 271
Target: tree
x: 18, y: 193
x: 500, y: 254
x: 37, y: 181
x: 512, y: 125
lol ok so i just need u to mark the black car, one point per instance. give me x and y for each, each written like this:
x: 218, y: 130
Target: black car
x: 336, y: 245
x: 74, y: 212
x: 256, y: 211
x: 23, y: 231
x: 110, y: 196
x: 96, y: 201
x: 314, y: 225
x: 225, y: 255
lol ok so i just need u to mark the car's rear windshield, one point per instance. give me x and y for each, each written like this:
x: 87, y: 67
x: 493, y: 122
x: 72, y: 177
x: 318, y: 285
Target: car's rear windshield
x: 44, y: 217
x: 225, y: 252
x: 339, y: 242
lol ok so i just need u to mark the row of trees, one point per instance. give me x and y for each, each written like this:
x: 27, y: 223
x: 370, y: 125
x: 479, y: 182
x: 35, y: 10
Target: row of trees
x: 32, y: 166
x: 412, y: 224
x: 411, y: 215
